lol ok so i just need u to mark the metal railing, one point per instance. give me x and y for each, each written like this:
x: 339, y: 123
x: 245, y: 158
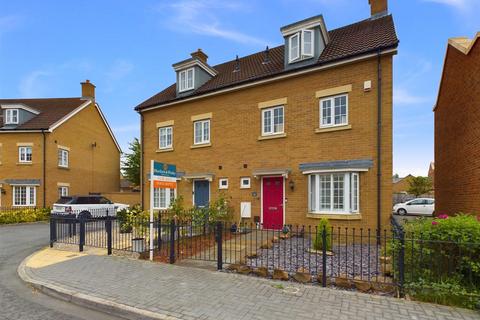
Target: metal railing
x: 322, y: 255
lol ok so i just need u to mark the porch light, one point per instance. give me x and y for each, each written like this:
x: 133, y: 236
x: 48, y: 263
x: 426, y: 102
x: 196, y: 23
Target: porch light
x: 291, y: 184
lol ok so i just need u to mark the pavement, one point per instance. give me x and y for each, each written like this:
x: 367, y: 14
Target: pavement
x: 19, y: 301
x: 137, y: 289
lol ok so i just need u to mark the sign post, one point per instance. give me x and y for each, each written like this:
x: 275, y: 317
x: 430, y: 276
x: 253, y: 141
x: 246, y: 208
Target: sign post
x: 162, y: 176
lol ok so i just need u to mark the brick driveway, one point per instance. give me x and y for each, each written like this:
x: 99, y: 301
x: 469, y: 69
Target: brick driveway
x: 193, y: 293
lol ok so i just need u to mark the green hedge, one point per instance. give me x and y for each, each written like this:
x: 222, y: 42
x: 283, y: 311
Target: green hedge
x: 16, y: 215
x: 442, y: 260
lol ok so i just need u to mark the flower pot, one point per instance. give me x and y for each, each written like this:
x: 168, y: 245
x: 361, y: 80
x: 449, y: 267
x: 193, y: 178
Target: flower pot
x: 138, y: 245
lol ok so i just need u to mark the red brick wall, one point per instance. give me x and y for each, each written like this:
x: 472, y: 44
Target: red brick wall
x: 457, y: 134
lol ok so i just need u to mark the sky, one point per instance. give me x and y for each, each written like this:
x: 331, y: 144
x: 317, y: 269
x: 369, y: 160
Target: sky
x: 127, y: 48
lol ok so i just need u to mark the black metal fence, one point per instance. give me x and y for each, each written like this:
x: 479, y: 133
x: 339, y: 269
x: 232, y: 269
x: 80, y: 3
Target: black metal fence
x: 347, y: 256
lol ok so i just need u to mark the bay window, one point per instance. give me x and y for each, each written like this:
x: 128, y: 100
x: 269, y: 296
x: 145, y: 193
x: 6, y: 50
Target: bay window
x: 336, y: 192
x: 24, y: 196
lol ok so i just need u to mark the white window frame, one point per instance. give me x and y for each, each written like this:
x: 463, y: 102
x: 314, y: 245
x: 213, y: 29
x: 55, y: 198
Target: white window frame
x: 167, y: 131
x: 245, y: 186
x: 332, y: 111
x: 10, y: 118
x: 221, y: 184
x: 63, y: 161
x: 272, y: 121
x: 63, y: 191
x: 350, y: 193
x: 170, y: 194
x: 184, y: 83
x: 203, y: 139
x: 309, y: 54
x: 292, y: 58
x: 30, y: 196
x: 22, y: 154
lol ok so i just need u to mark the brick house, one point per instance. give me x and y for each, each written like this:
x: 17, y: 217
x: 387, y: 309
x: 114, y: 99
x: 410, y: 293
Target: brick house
x: 292, y: 134
x: 53, y: 147
x: 457, y: 130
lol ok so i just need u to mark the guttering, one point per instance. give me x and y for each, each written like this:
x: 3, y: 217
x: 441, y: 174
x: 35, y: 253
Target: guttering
x: 44, y: 169
x: 379, y: 146
x: 142, y: 187
x: 276, y: 78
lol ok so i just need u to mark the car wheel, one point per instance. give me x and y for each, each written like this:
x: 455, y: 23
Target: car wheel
x: 402, y: 211
x: 85, y: 215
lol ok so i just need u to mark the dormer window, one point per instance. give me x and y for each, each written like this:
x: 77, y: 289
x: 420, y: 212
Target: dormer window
x: 294, y: 44
x: 186, y: 80
x: 307, y: 43
x: 11, y: 116
x: 301, y: 45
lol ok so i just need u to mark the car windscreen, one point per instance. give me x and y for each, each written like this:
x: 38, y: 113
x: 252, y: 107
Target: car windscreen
x: 64, y: 200
x: 86, y: 200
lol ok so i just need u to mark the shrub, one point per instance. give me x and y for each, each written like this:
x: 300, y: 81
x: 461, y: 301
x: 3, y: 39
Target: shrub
x: 318, y: 240
x: 13, y: 215
x: 441, y: 259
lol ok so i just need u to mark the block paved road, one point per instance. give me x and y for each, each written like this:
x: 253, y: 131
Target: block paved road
x: 194, y: 293
x: 17, y: 300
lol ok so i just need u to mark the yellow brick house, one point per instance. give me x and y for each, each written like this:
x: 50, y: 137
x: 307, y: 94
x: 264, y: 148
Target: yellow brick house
x: 53, y: 147
x: 292, y: 134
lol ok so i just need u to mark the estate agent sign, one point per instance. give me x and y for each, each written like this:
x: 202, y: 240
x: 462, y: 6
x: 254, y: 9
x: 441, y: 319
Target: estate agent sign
x: 162, y: 176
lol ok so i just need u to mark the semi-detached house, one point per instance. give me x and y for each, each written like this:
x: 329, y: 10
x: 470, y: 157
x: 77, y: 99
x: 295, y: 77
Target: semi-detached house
x: 55, y: 147
x: 291, y: 134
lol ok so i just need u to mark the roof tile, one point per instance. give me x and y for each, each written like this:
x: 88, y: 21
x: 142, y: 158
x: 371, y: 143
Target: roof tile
x: 346, y: 42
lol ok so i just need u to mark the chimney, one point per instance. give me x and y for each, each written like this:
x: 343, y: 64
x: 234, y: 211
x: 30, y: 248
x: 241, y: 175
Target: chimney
x: 88, y: 90
x: 378, y: 8
x: 199, y: 55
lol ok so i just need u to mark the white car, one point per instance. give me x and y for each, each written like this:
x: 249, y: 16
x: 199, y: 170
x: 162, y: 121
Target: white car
x: 419, y: 206
x: 90, y: 206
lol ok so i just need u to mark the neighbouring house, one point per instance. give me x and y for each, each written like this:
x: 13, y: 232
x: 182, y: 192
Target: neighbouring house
x: 400, y: 189
x: 457, y: 129
x: 55, y: 147
x: 292, y: 134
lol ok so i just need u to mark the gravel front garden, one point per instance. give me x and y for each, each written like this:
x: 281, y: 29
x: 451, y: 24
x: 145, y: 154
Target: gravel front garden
x: 351, y: 260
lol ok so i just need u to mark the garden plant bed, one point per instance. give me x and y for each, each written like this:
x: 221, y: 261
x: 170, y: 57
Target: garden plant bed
x: 353, y: 260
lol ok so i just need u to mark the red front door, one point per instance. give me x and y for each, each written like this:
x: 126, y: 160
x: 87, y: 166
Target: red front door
x: 272, y: 203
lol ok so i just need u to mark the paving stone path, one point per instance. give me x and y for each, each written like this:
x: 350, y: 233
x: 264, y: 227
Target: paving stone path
x: 192, y: 293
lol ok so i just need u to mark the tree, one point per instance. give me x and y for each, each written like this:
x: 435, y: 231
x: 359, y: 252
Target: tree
x: 131, y: 162
x: 419, y: 186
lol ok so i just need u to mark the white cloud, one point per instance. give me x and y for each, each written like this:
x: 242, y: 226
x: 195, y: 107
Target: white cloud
x: 458, y: 4
x: 201, y: 17
x: 127, y: 128
x: 30, y: 86
x: 120, y: 69
x: 402, y: 96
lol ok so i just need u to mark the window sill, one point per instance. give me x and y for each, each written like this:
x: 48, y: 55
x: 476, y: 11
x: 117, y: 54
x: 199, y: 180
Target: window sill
x: 334, y: 128
x: 164, y: 150
x: 203, y: 145
x: 24, y: 163
x: 272, y: 136
x: 335, y: 216
x: 63, y: 168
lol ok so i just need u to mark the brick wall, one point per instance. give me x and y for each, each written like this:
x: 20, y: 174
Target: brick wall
x: 236, y: 126
x: 457, y: 134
